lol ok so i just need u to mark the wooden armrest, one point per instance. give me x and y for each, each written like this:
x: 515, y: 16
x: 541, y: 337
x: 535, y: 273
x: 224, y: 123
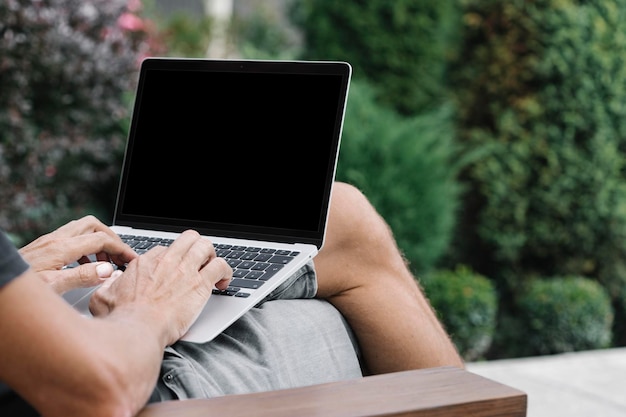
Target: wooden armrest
x: 445, y: 391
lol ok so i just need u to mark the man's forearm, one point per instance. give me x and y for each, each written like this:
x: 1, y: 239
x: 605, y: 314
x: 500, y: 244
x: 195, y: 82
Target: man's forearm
x: 75, y: 365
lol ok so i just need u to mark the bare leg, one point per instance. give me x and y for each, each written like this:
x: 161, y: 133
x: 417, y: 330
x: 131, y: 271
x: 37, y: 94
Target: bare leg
x: 362, y: 273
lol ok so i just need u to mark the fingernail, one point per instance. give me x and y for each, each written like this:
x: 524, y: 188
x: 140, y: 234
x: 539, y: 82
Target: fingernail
x: 104, y: 270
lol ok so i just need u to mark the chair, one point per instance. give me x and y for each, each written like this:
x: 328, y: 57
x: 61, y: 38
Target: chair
x: 435, y: 392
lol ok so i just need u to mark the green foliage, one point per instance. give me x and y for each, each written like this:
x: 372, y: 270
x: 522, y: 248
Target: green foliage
x: 260, y: 33
x: 67, y: 68
x: 186, y: 36
x: 541, y: 90
x: 406, y: 167
x: 564, y: 314
x: 466, y: 303
x: 399, y: 46
x: 264, y: 34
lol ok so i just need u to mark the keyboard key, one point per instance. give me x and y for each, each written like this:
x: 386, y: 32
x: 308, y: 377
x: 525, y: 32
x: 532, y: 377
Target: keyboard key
x: 233, y: 262
x: 254, y: 274
x: 260, y: 266
x: 246, y: 265
x: 240, y: 273
x: 242, y: 294
x: 270, y: 272
x: 279, y: 259
x: 263, y: 257
x: 246, y: 283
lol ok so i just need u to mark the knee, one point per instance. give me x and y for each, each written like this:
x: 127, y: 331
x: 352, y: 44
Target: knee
x: 358, y: 237
x: 354, y: 220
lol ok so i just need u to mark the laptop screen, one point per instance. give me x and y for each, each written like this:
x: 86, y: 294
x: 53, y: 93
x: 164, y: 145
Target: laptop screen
x: 234, y: 148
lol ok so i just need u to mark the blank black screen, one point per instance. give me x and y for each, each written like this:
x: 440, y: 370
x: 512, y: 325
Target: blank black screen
x: 238, y: 151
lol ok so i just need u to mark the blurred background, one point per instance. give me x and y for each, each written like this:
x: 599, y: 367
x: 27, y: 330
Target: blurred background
x: 490, y: 135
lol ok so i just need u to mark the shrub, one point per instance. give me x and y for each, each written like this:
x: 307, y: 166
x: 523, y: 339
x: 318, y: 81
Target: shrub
x: 185, y: 35
x: 406, y: 167
x: 466, y: 303
x: 564, y: 314
x: 265, y: 33
x: 399, y: 46
x: 541, y: 87
x: 67, y: 69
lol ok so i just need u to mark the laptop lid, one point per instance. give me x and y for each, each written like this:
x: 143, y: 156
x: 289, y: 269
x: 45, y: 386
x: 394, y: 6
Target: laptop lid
x: 234, y: 148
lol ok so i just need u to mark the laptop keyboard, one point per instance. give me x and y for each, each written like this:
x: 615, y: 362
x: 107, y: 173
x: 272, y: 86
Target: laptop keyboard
x: 252, y: 265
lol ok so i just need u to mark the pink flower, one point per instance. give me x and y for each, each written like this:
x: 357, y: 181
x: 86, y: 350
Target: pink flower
x: 130, y: 22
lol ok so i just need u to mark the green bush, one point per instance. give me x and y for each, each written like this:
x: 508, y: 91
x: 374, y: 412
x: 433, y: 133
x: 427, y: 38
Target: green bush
x: 185, y: 35
x: 541, y: 89
x: 67, y: 69
x: 398, y: 142
x: 406, y: 167
x: 399, y: 46
x: 563, y: 315
x: 466, y: 303
x: 262, y: 33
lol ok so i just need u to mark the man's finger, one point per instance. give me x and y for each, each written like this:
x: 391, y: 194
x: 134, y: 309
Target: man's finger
x: 190, y: 249
x: 100, y: 244
x: 218, y: 273
x: 114, y: 276
x: 81, y: 276
x: 90, y: 274
x: 84, y: 225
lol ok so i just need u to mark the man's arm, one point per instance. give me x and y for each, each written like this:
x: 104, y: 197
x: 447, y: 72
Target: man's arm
x: 64, y: 364
x: 362, y: 272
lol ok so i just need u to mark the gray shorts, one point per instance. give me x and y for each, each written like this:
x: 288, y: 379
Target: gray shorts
x: 289, y: 340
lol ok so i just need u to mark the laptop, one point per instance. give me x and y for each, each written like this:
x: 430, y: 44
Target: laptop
x: 242, y: 151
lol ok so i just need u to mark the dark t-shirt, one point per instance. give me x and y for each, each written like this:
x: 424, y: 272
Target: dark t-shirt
x: 11, y: 266
x: 11, y: 263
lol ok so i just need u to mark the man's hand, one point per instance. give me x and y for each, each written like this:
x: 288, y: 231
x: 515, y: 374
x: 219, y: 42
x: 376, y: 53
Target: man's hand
x: 169, y: 286
x: 74, y: 242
